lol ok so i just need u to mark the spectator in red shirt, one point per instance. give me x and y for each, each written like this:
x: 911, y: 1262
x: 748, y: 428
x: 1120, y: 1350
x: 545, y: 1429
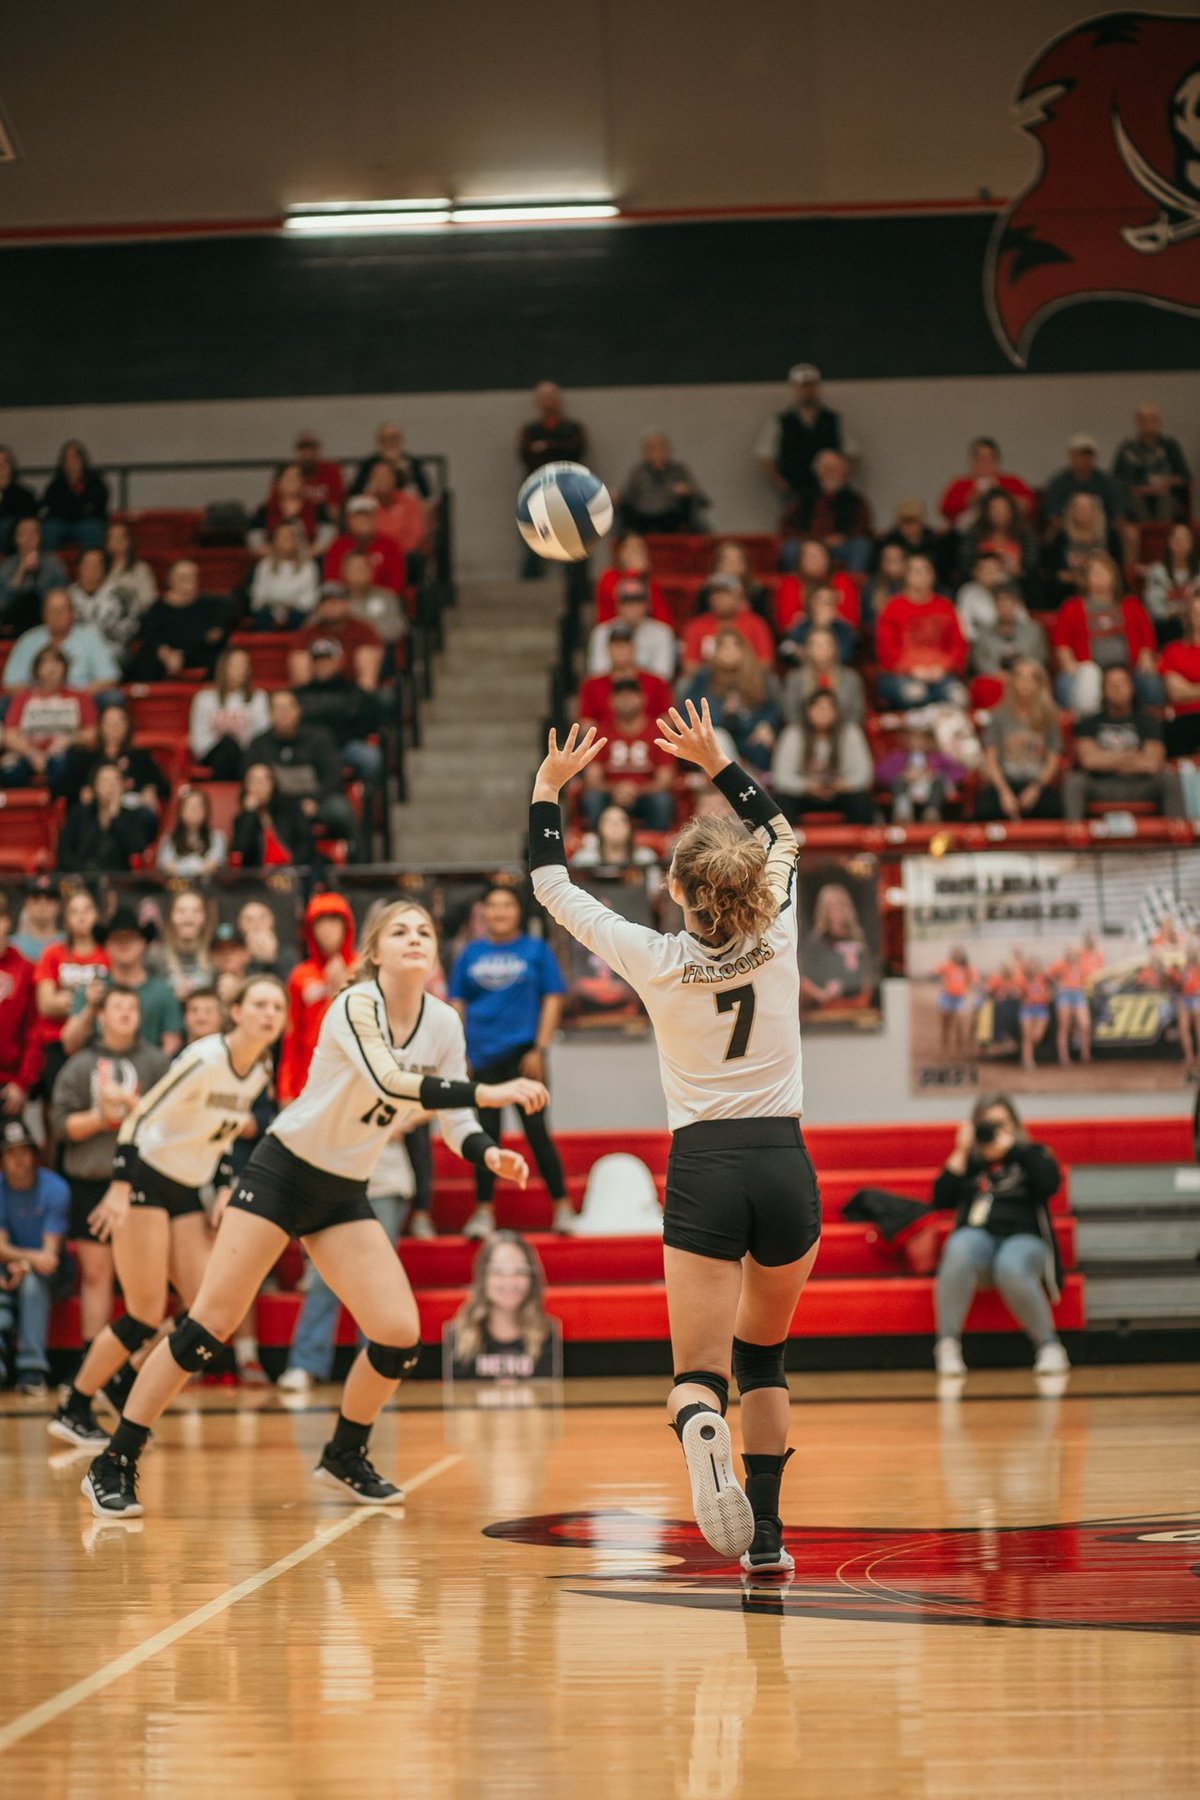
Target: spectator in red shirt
x: 44, y: 723
x: 727, y: 609
x: 401, y: 516
x: 631, y: 561
x: 286, y: 504
x: 362, y: 646
x: 362, y: 534
x: 814, y: 569
x: 324, y: 485
x: 919, y: 642
x: 61, y: 969
x: 834, y: 513
x: 595, y: 696
x: 962, y: 501
x: 631, y: 771
x: 20, y: 1040
x: 1179, y: 666
x: 312, y: 984
x: 1099, y: 630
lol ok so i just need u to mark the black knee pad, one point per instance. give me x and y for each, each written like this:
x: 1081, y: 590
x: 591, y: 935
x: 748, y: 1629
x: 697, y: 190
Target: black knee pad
x: 132, y: 1333
x: 758, y: 1365
x: 193, y: 1347
x: 393, y: 1362
x: 716, y: 1384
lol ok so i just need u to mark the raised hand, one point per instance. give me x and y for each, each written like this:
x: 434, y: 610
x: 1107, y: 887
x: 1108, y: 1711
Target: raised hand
x: 530, y: 1096
x: 508, y: 1165
x: 692, y: 739
x: 562, y: 765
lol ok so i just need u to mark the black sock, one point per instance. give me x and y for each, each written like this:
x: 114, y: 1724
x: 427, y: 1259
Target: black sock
x: 763, y: 1476
x: 128, y: 1440
x: 76, y: 1403
x: 689, y: 1412
x: 349, y: 1436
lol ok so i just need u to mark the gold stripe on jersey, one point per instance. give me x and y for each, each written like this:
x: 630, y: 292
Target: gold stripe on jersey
x: 362, y: 1016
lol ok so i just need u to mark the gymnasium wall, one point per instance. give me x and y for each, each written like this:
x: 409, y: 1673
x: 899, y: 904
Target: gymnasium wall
x: 847, y: 1080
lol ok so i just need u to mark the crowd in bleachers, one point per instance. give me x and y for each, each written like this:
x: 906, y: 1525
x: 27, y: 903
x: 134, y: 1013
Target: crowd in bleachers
x: 200, y: 690
x: 1033, y: 654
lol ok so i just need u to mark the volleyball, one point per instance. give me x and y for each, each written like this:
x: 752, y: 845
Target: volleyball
x: 563, y: 511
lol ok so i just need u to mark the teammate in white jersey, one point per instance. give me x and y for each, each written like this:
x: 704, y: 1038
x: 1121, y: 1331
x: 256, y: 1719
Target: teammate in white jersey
x: 742, y: 1220
x: 386, y: 1049
x: 175, y: 1141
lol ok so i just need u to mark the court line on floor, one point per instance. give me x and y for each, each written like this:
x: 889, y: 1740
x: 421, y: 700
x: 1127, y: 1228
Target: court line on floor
x: 58, y: 1704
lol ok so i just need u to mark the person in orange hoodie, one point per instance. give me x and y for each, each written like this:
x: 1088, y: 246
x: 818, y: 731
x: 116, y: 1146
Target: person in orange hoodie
x: 313, y: 983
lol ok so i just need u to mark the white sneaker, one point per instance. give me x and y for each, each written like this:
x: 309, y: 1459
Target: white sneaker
x: 948, y: 1357
x: 564, y: 1218
x: 295, y: 1381
x: 420, y: 1225
x: 723, y: 1513
x: 1051, y: 1359
x: 481, y: 1223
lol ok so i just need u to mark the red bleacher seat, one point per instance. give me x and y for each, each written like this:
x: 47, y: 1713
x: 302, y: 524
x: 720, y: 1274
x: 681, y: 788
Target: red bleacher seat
x: 161, y: 707
x: 268, y: 652
x: 29, y: 821
x: 672, y: 554
x: 163, y: 531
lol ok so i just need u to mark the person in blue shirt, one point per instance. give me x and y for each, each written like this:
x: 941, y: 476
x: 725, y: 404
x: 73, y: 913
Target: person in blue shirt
x: 35, y: 1205
x: 508, y: 988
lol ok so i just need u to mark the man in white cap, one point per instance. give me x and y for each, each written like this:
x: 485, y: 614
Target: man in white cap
x: 1082, y: 475
x: 790, y: 441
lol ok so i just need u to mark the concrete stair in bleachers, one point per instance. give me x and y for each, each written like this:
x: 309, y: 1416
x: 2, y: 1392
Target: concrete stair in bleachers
x: 469, y: 781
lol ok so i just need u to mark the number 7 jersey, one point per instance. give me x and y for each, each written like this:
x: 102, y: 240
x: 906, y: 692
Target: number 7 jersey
x: 727, y: 1018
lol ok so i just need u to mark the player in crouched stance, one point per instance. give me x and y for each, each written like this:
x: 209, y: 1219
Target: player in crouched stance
x: 742, y: 1220
x: 174, y: 1142
x: 386, y: 1049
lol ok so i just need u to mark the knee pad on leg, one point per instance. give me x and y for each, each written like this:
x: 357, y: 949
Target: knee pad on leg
x: 193, y: 1347
x: 758, y: 1365
x: 393, y: 1362
x: 132, y: 1333
x: 716, y: 1384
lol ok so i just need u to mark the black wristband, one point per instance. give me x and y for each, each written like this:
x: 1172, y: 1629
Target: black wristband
x: 438, y: 1095
x: 475, y: 1148
x: 224, y: 1174
x: 749, y: 800
x: 124, y: 1160
x: 546, y: 835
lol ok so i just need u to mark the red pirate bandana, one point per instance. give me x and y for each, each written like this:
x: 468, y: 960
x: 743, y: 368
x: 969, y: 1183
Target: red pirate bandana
x: 1115, y: 210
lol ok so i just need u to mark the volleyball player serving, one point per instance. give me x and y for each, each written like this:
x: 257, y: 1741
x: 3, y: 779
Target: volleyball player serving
x: 174, y: 1142
x: 742, y: 1219
x: 386, y: 1049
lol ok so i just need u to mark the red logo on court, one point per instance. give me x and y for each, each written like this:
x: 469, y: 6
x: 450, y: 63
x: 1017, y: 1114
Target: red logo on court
x: 1115, y: 210
x: 1104, y: 1575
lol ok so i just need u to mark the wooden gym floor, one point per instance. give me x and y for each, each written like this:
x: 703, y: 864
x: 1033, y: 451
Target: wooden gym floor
x: 995, y: 1594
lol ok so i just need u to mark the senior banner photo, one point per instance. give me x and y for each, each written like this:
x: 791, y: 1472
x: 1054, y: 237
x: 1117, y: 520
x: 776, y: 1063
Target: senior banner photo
x: 1062, y: 973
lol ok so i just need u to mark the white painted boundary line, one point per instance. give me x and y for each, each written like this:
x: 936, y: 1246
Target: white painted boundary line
x: 58, y: 1704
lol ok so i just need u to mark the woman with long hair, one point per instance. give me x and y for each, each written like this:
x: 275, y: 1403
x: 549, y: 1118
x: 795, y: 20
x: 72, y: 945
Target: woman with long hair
x: 740, y: 697
x: 837, y: 963
x: 1085, y: 532
x: 730, y: 557
x: 194, y: 848
x: 823, y: 763
x: 64, y: 966
x: 1022, y: 750
x: 103, y: 835
x: 613, y: 844
x: 145, y: 785
x: 1171, y: 582
x: 284, y: 591
x: 1001, y: 532
x: 1036, y: 995
x: 174, y: 1142
x: 129, y: 577
x: 74, y: 506
x: 1099, y: 630
x: 268, y: 831
x: 227, y: 715
x: 1000, y: 1185
x: 501, y: 1331
x: 742, y: 1219
x: 386, y: 1049
x: 187, y: 936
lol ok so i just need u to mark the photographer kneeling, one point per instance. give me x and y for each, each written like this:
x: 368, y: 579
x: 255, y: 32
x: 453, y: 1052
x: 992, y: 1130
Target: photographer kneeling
x: 1000, y: 1185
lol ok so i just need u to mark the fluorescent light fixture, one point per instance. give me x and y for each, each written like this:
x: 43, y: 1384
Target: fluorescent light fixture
x: 335, y: 218
x: 560, y: 213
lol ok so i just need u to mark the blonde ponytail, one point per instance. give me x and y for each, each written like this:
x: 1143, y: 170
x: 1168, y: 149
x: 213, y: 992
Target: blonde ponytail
x: 722, y: 871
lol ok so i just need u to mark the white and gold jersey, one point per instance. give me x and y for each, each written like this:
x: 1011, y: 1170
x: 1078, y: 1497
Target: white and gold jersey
x: 361, y: 1084
x: 726, y: 1018
x: 188, y: 1120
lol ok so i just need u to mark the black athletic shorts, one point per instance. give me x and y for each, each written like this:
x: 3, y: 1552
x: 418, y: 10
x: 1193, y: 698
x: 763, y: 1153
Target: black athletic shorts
x: 150, y: 1187
x: 292, y: 1194
x: 85, y: 1197
x: 738, y: 1186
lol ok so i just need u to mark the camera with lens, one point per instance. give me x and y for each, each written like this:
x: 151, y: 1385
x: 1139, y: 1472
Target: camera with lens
x: 986, y: 1132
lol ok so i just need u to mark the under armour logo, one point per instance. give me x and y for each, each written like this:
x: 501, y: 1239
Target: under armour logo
x: 749, y: 794
x: 204, y: 1353
x: 548, y: 833
x: 245, y: 1197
